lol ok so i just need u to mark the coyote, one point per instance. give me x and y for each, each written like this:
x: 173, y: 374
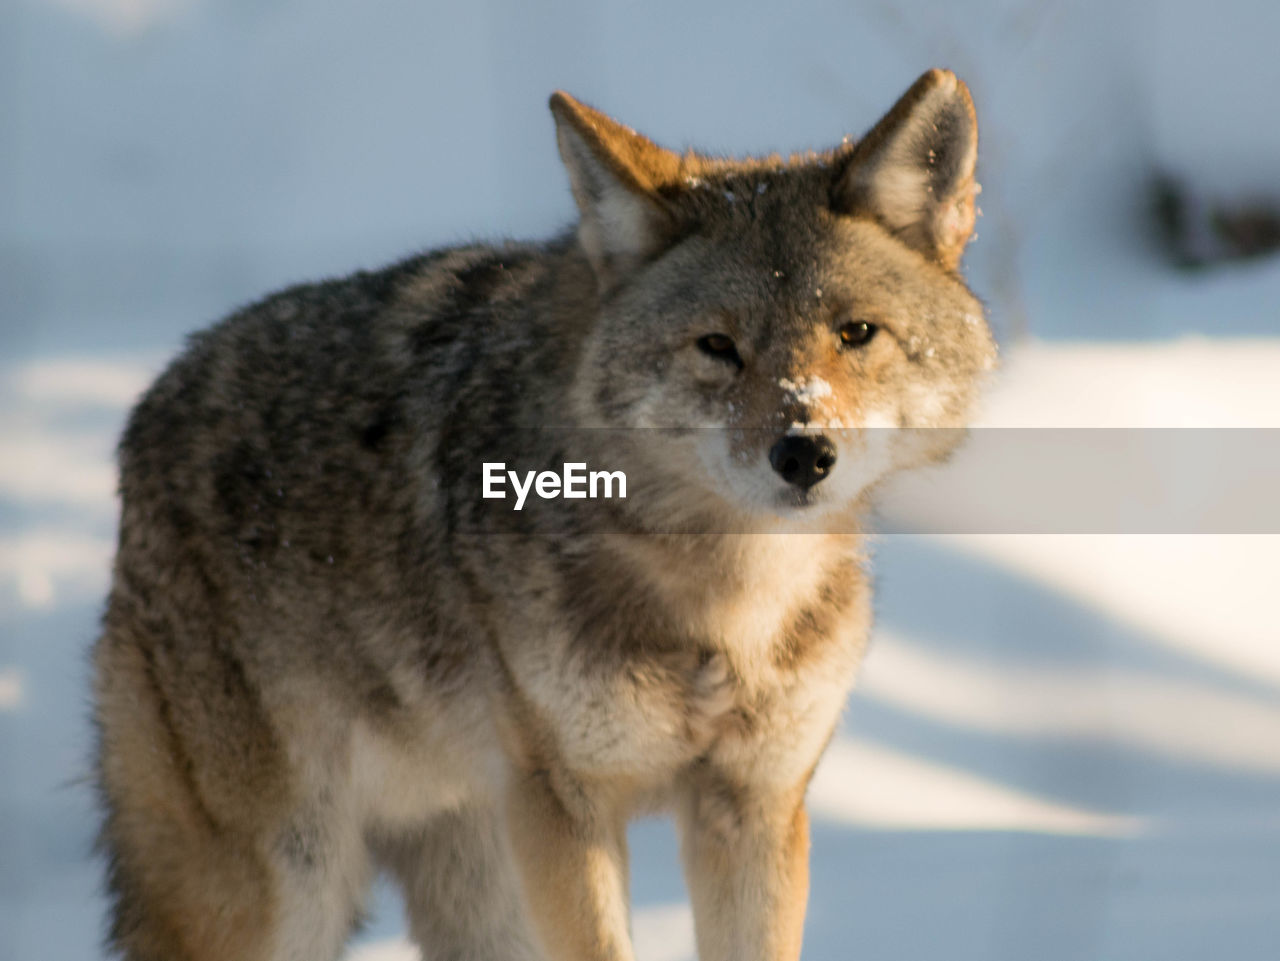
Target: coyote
x: 325, y: 654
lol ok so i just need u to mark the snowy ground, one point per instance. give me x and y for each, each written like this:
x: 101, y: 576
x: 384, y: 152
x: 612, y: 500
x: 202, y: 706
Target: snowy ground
x: 1063, y: 746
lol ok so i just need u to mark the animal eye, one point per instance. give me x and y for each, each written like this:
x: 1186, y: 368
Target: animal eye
x: 856, y: 333
x: 721, y: 347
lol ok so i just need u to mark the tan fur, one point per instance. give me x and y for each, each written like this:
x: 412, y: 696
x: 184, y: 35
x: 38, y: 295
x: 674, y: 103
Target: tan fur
x: 759, y: 844
x: 175, y: 853
x: 324, y: 653
x: 889, y: 177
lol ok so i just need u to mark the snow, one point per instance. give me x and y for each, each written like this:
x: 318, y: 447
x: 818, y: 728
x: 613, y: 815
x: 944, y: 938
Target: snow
x: 661, y: 932
x: 1209, y: 596
x: 806, y: 391
x: 1094, y: 705
x: 40, y: 565
x: 860, y: 784
x: 1063, y: 746
x: 127, y: 17
x: 10, y: 689
x: 1188, y: 381
x: 388, y: 949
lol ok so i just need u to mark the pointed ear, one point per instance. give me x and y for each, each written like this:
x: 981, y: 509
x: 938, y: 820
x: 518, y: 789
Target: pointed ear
x: 914, y: 170
x: 615, y: 173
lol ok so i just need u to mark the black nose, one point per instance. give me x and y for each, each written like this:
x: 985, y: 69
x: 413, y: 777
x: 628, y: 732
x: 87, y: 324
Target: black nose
x: 803, y: 459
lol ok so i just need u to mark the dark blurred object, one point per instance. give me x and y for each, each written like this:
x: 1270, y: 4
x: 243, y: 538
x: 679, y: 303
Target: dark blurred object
x: 1196, y: 232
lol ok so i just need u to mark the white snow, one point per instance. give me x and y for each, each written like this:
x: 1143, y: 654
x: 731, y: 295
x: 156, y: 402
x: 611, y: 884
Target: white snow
x: 1207, y: 597
x: 74, y: 381
x: 10, y: 689
x: 127, y: 18
x: 868, y: 786
x: 43, y: 457
x: 1094, y: 704
x: 73, y: 468
x: 387, y: 949
x: 662, y: 932
x: 1191, y: 381
x: 45, y: 564
x: 806, y: 390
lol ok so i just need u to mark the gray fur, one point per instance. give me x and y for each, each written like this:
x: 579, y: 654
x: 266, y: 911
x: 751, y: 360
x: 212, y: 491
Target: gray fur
x: 323, y: 652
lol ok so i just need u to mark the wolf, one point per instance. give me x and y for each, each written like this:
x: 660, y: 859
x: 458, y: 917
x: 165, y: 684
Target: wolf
x: 325, y: 655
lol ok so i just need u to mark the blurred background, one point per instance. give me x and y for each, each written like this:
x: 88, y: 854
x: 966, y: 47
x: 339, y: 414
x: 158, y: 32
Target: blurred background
x: 1063, y: 746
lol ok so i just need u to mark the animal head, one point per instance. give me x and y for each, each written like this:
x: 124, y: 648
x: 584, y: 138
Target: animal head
x: 808, y: 311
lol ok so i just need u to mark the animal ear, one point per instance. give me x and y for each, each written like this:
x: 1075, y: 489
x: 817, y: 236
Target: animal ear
x: 914, y: 170
x: 615, y: 173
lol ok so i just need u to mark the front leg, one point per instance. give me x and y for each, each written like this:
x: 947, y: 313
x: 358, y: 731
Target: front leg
x: 746, y: 855
x: 570, y: 847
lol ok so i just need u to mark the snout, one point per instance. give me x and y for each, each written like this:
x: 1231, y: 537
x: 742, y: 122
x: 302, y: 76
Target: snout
x: 803, y: 459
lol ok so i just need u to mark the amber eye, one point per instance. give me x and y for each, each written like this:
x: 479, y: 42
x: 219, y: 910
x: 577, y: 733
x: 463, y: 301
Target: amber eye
x: 856, y: 333
x: 721, y: 347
